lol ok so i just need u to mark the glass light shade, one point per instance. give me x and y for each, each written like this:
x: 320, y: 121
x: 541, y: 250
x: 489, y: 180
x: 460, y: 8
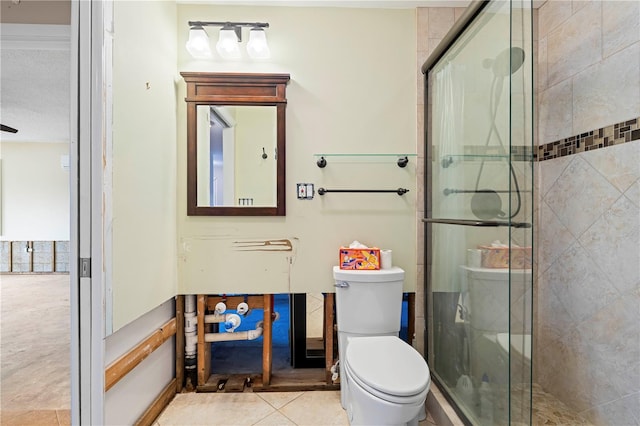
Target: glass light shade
x: 198, y: 43
x: 227, y: 45
x: 257, y: 47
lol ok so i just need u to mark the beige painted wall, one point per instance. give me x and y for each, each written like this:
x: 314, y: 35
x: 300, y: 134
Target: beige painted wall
x: 255, y: 177
x: 143, y: 213
x: 352, y: 90
x: 587, y: 338
x: 35, y: 192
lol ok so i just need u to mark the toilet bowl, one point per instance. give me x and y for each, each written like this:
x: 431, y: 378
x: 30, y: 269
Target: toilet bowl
x: 383, y: 380
x: 493, y: 297
x: 387, y: 382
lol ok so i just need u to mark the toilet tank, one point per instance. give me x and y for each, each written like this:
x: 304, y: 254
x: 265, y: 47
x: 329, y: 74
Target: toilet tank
x: 368, y: 302
x: 489, y: 293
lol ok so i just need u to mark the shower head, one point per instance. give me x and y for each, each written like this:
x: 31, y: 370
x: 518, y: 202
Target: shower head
x: 507, y: 62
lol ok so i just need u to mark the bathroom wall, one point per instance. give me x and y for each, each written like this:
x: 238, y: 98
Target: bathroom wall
x: 34, y: 191
x: 587, y: 351
x: 140, y: 163
x: 352, y: 90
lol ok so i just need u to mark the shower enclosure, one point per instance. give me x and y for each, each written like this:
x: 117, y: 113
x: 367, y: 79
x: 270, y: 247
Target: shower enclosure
x: 479, y: 212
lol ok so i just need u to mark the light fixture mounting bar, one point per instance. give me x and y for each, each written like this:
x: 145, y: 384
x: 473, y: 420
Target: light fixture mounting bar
x: 228, y: 23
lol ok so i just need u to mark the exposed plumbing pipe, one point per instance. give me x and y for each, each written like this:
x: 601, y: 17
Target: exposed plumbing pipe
x: 190, y: 303
x: 190, y: 339
x: 243, y: 308
x: 216, y: 318
x: 238, y: 335
x: 220, y: 308
x: 335, y: 371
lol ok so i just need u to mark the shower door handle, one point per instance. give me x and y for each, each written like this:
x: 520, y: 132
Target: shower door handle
x: 341, y: 284
x: 482, y: 223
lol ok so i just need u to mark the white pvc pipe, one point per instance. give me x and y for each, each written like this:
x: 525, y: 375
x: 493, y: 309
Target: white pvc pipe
x: 190, y: 325
x: 189, y: 303
x: 220, y: 308
x: 218, y: 318
x: 214, y: 318
x: 239, y: 335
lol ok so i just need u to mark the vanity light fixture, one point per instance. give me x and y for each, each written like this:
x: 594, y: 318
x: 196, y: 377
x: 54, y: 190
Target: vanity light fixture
x: 198, y: 43
x: 257, y: 47
x: 230, y: 35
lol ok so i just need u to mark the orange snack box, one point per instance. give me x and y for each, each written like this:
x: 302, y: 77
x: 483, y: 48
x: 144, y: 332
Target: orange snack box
x: 359, y: 258
x: 498, y: 257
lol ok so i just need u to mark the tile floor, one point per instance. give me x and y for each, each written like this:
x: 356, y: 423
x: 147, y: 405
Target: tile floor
x: 35, y: 381
x: 320, y: 408
x: 45, y: 400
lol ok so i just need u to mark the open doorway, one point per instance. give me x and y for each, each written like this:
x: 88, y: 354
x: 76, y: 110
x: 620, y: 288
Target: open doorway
x: 34, y: 213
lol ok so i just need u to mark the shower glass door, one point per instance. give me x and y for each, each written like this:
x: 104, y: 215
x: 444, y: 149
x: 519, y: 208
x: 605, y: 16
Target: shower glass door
x: 479, y: 213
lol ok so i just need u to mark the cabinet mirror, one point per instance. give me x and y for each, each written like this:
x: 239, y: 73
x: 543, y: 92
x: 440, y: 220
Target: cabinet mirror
x: 236, y: 144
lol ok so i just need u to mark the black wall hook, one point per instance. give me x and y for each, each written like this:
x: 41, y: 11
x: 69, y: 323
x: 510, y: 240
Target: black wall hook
x: 264, y: 154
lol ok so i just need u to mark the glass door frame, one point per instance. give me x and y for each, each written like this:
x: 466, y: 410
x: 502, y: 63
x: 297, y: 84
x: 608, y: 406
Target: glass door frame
x: 465, y: 21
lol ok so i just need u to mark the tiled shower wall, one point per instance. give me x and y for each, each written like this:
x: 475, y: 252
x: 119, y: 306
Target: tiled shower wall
x: 587, y: 350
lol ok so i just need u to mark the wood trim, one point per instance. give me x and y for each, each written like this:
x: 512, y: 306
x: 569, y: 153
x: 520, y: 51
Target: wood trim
x: 267, y: 342
x: 254, y: 302
x: 180, y: 342
x: 235, y: 87
x: 328, y: 335
x: 203, y: 348
x: 30, y: 244
x: 159, y: 404
x: 127, y: 362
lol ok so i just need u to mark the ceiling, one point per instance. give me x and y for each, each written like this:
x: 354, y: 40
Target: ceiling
x: 35, y: 70
x: 35, y: 83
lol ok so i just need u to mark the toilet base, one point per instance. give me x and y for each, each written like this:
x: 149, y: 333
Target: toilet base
x: 364, y: 409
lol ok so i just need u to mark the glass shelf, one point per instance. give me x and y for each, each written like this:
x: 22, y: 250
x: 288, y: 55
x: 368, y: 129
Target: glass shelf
x: 447, y: 160
x: 365, y: 155
x: 401, y: 159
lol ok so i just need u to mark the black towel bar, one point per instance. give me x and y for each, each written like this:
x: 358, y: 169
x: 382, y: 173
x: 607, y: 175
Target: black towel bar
x: 399, y: 191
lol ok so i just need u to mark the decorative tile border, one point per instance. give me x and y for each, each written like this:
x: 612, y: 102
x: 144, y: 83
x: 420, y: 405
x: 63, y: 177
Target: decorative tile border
x: 615, y: 134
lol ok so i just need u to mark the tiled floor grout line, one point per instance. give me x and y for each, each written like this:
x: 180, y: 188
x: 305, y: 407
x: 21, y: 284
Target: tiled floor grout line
x: 278, y: 409
x: 287, y: 417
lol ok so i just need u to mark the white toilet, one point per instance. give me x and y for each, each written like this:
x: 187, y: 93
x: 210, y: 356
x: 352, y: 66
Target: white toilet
x: 489, y: 309
x: 383, y: 380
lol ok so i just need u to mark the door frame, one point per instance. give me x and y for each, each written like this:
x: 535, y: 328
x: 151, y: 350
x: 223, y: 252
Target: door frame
x: 87, y: 109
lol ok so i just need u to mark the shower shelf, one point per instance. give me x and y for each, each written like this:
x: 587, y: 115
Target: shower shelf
x: 447, y: 160
x: 401, y: 159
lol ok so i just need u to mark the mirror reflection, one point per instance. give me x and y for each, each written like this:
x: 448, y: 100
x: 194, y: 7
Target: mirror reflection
x: 237, y: 156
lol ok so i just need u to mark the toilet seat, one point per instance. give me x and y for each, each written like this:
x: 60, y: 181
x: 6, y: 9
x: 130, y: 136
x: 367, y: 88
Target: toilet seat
x: 388, y: 368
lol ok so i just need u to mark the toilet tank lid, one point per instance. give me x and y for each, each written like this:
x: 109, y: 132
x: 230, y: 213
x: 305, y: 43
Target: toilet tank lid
x: 377, y: 275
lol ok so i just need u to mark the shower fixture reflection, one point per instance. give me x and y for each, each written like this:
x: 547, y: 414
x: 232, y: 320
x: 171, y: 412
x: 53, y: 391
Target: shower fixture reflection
x: 486, y: 204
